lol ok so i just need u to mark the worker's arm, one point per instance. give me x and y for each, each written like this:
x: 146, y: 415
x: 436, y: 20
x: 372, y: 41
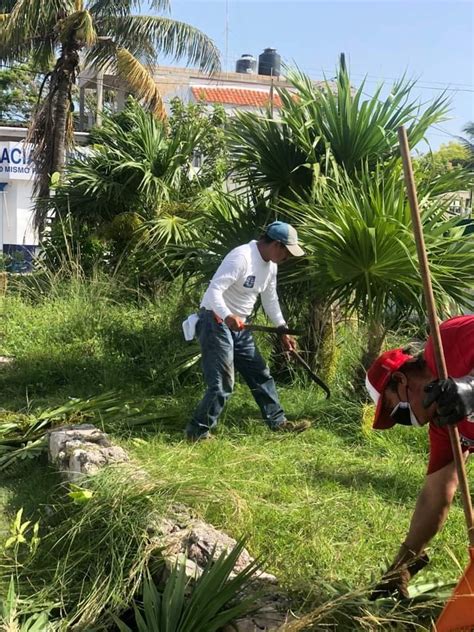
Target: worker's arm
x: 432, y: 507
x: 430, y: 513
x: 271, y: 307
x: 271, y: 303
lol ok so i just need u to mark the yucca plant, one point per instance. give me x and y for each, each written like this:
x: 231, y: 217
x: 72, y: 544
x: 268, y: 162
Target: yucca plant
x: 325, y: 123
x: 109, y: 36
x: 203, y: 604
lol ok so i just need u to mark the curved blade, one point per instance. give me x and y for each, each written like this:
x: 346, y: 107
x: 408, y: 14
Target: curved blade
x: 313, y: 375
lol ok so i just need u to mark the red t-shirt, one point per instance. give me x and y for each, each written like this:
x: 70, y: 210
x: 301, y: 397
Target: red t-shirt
x: 457, y: 335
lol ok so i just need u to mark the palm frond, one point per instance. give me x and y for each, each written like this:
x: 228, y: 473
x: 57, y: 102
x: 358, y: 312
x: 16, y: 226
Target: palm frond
x: 78, y: 26
x: 29, y: 24
x: 362, y: 252
x: 282, y: 165
x: 42, y: 54
x: 102, y: 8
x: 468, y: 143
x: 325, y: 124
x: 135, y: 164
x: 140, y: 81
x: 144, y: 33
x: 34, y: 18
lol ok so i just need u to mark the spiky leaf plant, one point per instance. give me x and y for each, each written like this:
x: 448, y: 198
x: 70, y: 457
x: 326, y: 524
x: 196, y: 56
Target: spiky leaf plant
x: 205, y: 604
x: 319, y: 124
x: 362, y: 255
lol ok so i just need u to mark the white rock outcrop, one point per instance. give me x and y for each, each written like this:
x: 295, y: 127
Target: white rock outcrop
x: 82, y: 450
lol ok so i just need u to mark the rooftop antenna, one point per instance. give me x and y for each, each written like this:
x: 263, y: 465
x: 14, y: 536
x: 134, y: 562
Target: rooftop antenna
x: 226, y: 54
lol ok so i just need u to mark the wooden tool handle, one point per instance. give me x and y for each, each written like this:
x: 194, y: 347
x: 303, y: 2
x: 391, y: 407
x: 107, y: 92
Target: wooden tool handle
x: 433, y: 320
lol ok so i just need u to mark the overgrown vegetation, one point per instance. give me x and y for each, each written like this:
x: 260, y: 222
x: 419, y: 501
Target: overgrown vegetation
x: 134, y: 232
x: 302, y: 502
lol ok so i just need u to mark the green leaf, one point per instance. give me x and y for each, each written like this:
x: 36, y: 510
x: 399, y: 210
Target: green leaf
x: 82, y: 496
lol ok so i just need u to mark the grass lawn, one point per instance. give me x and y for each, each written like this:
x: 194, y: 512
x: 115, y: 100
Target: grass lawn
x: 326, y: 509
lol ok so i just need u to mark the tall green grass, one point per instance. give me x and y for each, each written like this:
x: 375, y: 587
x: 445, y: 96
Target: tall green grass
x: 325, y: 509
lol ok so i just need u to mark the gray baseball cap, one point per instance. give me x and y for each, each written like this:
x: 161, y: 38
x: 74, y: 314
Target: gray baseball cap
x: 287, y: 235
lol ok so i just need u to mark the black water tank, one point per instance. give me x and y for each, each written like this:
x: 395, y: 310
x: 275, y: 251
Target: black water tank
x: 269, y: 62
x: 246, y: 65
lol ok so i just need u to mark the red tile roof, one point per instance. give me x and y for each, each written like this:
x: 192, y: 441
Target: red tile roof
x: 235, y: 96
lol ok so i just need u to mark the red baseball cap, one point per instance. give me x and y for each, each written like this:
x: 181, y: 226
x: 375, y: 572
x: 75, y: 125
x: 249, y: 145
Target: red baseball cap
x: 376, y: 380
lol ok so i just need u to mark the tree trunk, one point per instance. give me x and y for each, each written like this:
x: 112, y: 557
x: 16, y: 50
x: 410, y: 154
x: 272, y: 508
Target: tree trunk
x: 49, y: 128
x: 319, y: 340
x: 317, y: 345
x: 375, y: 336
x: 61, y: 113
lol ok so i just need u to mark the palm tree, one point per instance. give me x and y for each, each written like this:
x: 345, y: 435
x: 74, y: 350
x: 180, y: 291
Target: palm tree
x: 362, y: 255
x: 468, y: 142
x: 108, y: 35
x: 324, y: 132
x: 136, y: 177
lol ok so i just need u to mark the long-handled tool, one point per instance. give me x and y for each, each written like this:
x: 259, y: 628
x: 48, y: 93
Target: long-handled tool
x: 274, y: 330
x: 458, y: 614
x: 296, y: 355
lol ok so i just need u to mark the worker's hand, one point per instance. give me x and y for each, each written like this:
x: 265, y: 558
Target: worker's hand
x: 288, y: 342
x: 454, y: 399
x: 394, y: 582
x: 234, y: 322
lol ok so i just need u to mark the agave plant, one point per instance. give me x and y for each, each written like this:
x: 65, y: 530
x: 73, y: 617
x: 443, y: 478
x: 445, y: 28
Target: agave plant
x: 205, y: 604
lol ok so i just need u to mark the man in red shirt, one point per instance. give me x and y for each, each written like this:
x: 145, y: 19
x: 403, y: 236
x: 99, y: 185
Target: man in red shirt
x: 406, y: 391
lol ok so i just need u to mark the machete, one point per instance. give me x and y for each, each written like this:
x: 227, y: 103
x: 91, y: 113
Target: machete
x: 296, y: 355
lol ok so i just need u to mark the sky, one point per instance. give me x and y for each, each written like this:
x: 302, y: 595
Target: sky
x: 430, y: 41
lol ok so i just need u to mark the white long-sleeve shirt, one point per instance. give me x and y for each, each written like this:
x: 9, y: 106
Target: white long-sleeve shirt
x: 242, y: 276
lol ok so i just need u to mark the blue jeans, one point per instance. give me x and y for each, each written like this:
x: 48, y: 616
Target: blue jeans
x: 222, y: 351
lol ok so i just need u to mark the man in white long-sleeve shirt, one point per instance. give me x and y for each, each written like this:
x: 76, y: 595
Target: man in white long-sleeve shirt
x: 245, y: 273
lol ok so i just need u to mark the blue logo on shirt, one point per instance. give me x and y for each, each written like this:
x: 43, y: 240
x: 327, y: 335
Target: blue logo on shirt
x: 249, y: 281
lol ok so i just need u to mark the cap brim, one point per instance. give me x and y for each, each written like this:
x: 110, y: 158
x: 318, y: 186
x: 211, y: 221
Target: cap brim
x: 295, y: 250
x: 382, y: 419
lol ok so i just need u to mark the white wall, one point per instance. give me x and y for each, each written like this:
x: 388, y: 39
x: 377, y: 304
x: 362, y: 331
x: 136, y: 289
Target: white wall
x: 16, y: 171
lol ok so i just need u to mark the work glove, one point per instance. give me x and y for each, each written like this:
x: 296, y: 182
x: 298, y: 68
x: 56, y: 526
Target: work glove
x: 454, y: 399
x: 394, y: 582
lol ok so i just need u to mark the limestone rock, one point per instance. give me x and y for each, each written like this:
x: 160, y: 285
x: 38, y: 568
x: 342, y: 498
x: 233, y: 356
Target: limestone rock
x: 80, y: 450
x: 200, y: 541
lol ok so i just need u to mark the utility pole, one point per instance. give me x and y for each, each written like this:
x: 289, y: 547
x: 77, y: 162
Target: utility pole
x: 226, y: 34
x: 271, y: 93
